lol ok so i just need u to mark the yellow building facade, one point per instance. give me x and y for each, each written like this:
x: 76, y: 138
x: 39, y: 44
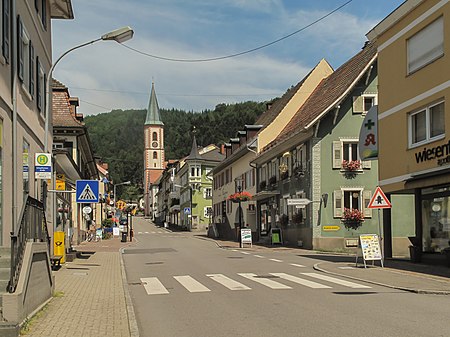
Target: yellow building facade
x: 413, y: 45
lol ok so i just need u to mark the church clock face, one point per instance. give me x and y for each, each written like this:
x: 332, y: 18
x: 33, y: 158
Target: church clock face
x: 155, y: 144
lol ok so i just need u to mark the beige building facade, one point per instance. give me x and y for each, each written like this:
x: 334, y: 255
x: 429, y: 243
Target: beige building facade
x: 413, y: 115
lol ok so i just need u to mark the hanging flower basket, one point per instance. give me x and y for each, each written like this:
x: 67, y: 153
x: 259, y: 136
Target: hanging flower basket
x: 351, y: 165
x: 352, y: 218
x: 240, y: 196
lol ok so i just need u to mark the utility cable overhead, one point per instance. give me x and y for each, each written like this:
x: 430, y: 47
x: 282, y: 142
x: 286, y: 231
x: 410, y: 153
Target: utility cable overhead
x: 243, y: 52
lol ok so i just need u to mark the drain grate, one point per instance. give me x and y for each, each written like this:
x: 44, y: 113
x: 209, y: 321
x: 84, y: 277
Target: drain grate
x: 78, y: 268
x: 235, y: 257
x: 152, y: 263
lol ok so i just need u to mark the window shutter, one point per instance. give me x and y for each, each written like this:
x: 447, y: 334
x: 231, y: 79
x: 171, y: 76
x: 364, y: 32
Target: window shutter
x: 358, y: 104
x: 31, y: 70
x: 5, y: 32
x: 337, y: 203
x: 337, y: 158
x: 44, y: 106
x: 38, y: 85
x: 367, y: 195
x: 366, y: 164
x: 20, y: 60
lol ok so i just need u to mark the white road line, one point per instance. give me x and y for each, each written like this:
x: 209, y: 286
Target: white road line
x: 261, y: 257
x: 337, y: 281
x: 227, y: 282
x: 301, y: 281
x: 246, y: 253
x: 153, y: 286
x: 275, y: 260
x: 298, y: 265
x: 153, y: 232
x: 139, y: 232
x: 191, y: 284
x: 146, y: 232
x: 264, y: 281
x: 234, y: 250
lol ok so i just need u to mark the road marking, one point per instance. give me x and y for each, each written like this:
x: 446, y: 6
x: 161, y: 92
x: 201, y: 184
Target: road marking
x: 153, y: 286
x: 337, y: 281
x: 227, y: 282
x: 191, y: 284
x: 246, y: 253
x: 261, y: 257
x: 146, y: 232
x: 275, y: 260
x: 301, y: 281
x: 264, y: 281
x: 153, y: 232
x: 298, y: 265
x: 139, y: 232
x: 234, y: 250
x: 346, y: 267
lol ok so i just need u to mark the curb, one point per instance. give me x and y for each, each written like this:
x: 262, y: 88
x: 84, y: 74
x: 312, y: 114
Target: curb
x: 132, y: 322
x: 411, y: 290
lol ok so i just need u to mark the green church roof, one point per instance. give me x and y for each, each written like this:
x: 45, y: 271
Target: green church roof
x: 153, y: 117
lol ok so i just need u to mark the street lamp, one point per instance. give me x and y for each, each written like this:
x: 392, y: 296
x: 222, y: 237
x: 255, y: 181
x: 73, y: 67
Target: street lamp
x: 119, y: 35
x: 115, y: 185
x: 238, y: 182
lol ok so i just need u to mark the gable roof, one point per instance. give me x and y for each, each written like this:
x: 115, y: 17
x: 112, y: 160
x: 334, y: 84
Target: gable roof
x: 62, y: 115
x: 329, y: 93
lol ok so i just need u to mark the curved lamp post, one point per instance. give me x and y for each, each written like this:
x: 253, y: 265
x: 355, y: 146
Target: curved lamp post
x: 115, y: 185
x: 119, y: 35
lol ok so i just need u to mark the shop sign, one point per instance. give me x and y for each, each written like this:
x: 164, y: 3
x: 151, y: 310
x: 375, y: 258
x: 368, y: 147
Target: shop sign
x: 441, y: 153
x: 368, y: 134
x: 331, y: 228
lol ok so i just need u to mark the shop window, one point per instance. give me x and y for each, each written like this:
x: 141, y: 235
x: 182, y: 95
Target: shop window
x: 426, y: 46
x: 426, y: 125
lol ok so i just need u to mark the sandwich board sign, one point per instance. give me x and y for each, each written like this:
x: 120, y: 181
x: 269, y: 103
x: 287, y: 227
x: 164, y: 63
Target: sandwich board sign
x: 87, y: 191
x: 246, y: 236
x: 379, y: 200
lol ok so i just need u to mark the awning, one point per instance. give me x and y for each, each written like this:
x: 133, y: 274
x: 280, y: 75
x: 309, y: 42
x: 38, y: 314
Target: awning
x: 265, y: 195
x: 435, y: 178
x: 65, y: 164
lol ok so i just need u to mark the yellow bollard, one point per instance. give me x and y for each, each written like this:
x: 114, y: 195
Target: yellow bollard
x: 59, y: 245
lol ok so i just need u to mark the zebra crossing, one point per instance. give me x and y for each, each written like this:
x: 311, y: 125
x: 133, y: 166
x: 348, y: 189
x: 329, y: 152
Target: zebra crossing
x: 153, y: 285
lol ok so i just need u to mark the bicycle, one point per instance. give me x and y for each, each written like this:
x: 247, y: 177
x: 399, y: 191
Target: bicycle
x: 92, y: 236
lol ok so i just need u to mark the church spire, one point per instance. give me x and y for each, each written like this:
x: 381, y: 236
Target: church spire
x: 153, y: 117
x: 194, y: 155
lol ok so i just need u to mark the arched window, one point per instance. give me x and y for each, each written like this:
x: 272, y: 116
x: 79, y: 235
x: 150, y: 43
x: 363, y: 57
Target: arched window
x: 155, y: 155
x: 155, y: 136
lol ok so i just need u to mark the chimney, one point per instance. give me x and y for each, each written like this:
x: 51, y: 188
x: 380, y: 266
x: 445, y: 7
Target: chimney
x: 242, y: 135
x: 234, y: 144
x: 228, y: 151
x: 252, y: 131
x: 74, y: 103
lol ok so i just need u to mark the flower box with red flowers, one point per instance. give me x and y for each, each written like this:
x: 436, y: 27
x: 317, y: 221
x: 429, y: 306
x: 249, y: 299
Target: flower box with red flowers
x: 352, y: 218
x: 351, y: 165
x: 240, y: 196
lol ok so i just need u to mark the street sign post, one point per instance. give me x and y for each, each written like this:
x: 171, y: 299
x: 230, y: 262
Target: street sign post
x: 298, y: 202
x: 43, y: 166
x: 87, y: 191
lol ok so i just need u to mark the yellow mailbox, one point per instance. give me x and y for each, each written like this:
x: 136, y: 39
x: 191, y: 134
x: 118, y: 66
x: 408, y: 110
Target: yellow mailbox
x: 59, y: 245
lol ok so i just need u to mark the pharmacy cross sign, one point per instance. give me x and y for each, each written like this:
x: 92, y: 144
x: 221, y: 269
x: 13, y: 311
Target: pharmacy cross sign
x: 379, y: 200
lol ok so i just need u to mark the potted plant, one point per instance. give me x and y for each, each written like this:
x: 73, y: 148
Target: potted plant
x: 272, y: 180
x: 351, y: 165
x: 262, y: 185
x: 352, y: 218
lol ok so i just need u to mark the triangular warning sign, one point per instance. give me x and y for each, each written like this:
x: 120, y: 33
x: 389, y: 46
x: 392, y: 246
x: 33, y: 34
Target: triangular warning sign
x: 379, y: 200
x: 87, y: 194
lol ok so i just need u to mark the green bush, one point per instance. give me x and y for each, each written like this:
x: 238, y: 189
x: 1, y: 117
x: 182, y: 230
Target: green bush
x: 108, y: 223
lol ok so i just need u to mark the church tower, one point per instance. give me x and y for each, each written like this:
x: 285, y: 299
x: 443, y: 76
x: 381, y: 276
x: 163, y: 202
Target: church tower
x: 153, y: 149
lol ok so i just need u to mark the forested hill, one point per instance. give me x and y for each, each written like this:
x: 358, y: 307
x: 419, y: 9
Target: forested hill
x: 118, y: 136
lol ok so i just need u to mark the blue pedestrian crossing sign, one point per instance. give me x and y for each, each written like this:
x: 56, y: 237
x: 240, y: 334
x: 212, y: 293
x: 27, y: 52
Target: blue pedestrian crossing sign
x: 87, y: 191
x: 187, y: 210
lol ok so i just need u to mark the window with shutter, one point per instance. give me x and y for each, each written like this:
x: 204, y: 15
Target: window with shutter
x: 5, y: 30
x: 337, y: 157
x: 20, y: 56
x: 337, y: 203
x: 367, y: 195
x: 31, y: 70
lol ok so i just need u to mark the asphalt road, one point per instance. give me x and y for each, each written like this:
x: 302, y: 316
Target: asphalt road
x: 184, y: 286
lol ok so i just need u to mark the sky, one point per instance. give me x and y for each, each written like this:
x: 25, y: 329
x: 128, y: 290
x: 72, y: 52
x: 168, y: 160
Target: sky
x: 106, y: 75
